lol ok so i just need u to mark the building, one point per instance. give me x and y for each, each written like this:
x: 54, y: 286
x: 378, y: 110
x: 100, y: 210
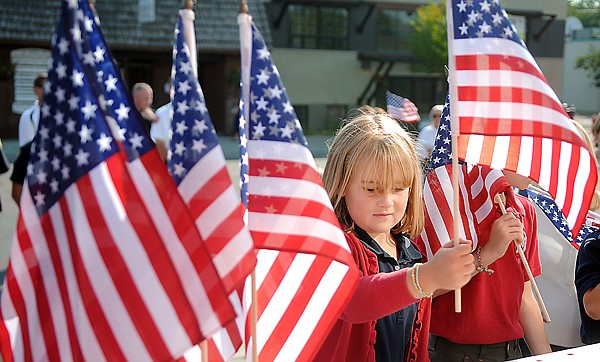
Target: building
x: 332, y: 54
x: 140, y: 35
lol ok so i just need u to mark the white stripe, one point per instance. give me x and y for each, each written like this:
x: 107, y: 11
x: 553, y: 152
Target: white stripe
x: 205, y: 169
x: 500, y: 155
x: 481, y: 46
x: 297, y: 225
x: 221, y: 339
x: 313, y: 311
x: 28, y: 290
x: 138, y: 262
x: 288, y: 188
x: 217, y: 212
x: 466, y: 203
x: 233, y: 253
x: 188, y: 275
x: 525, y: 156
x: 282, y: 297
x: 474, y: 147
x: 52, y: 291
x: 546, y: 163
x: 276, y: 150
x: 100, y: 279
x: 437, y: 220
x: 86, y: 338
x: 562, y: 174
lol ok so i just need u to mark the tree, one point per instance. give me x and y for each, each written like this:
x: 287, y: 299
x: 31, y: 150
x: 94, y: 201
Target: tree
x: 429, y: 41
x: 587, y: 11
x: 590, y: 62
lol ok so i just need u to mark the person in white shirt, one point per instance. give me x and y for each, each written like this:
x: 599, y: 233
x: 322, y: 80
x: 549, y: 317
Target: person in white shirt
x: 30, y: 119
x: 427, y: 134
x: 160, y: 131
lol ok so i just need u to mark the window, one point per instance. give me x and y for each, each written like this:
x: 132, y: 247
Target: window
x: 393, y: 29
x: 28, y: 63
x: 318, y: 27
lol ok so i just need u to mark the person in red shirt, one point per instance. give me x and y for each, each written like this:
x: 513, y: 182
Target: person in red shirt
x: 498, y: 306
x: 373, y: 178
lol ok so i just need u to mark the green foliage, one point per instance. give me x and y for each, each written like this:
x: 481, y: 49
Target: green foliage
x: 429, y: 41
x: 590, y: 62
x: 587, y: 11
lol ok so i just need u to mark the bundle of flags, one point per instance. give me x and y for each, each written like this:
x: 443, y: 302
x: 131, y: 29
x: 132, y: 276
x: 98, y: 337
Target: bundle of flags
x: 106, y: 263
x: 402, y: 108
x: 506, y: 113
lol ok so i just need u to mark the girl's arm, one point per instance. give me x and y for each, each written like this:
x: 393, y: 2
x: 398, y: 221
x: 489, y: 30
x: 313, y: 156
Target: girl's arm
x: 532, y: 323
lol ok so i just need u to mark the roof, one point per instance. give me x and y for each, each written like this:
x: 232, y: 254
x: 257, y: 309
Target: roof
x: 216, y: 23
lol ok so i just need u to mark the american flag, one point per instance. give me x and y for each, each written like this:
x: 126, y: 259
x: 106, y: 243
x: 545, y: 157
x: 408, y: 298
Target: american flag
x: 95, y: 273
x: 508, y: 116
x: 200, y: 171
x: 402, y: 108
x: 477, y: 187
x: 553, y: 213
x: 305, y: 272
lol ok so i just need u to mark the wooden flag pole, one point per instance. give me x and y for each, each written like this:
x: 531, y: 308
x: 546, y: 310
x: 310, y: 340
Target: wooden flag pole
x: 534, y: 287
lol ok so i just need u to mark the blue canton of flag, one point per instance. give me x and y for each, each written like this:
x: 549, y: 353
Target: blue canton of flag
x: 73, y: 137
x: 552, y: 211
x: 193, y: 132
x: 484, y: 19
x: 441, y: 154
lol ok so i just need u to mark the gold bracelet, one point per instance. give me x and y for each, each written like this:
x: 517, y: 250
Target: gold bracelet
x: 480, y: 268
x: 415, y: 280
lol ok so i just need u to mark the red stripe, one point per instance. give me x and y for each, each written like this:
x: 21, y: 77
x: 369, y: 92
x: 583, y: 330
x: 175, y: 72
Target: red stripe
x: 98, y: 321
x: 57, y: 262
x: 490, y: 126
x: 116, y: 264
x: 18, y: 302
x: 190, y: 238
x: 571, y: 174
x: 38, y: 285
x: 514, y: 150
x: 554, y: 162
x: 293, y: 243
x: 509, y: 94
x: 207, y: 194
x: 291, y: 206
x: 294, y: 310
x: 284, y: 169
x: 536, y: 167
x: 497, y: 62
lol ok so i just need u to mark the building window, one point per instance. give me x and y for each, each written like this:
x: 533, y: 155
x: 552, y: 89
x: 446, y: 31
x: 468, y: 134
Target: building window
x: 393, y: 29
x: 29, y: 62
x: 318, y: 27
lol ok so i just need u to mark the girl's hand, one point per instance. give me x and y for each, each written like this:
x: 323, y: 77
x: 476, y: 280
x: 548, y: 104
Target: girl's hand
x: 505, y: 229
x: 450, y: 268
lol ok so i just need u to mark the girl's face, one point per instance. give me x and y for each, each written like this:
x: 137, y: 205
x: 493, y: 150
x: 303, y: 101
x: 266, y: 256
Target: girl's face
x: 374, y: 209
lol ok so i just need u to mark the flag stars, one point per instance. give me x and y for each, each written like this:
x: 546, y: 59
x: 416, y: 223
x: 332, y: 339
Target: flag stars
x: 77, y: 78
x: 57, y: 140
x: 182, y: 107
x: 179, y: 170
x: 263, y: 172
x: 462, y: 7
x: 287, y: 131
x: 63, y: 46
x: 61, y: 70
x: 199, y: 146
x: 185, y: 67
x: 65, y: 172
x: 54, y: 186
x: 73, y: 102
x: 275, y: 92
x: 259, y: 131
x: 181, y: 127
x: 200, y: 126
x: 463, y: 29
x: 485, y: 6
x: 263, y: 77
x: 40, y: 199
x: 497, y: 19
x: 270, y: 209
x: 41, y: 177
x: 281, y: 167
x: 67, y: 149
x: 89, y: 110
x: 71, y: 126
x: 104, y: 142
x: 85, y: 134
x: 122, y: 112
x: 485, y: 28
x: 261, y: 104
x: 184, y: 87
x: 136, y: 141
x: 82, y: 158
x: 55, y: 163
x: 111, y: 83
x: 263, y: 53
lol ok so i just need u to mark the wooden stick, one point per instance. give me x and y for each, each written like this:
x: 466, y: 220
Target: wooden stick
x: 534, y: 287
x: 254, y: 312
x: 204, y: 350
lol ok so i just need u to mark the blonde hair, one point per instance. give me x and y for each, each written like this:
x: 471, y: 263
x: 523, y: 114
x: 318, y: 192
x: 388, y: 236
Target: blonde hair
x: 595, y: 204
x: 371, y: 143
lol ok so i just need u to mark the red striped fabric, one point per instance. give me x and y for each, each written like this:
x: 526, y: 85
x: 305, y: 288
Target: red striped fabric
x: 508, y: 116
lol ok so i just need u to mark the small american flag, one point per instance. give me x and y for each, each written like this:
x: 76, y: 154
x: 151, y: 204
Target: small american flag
x: 200, y: 171
x: 305, y: 272
x: 477, y: 187
x: 553, y: 213
x: 95, y: 273
x: 402, y: 108
x: 507, y: 115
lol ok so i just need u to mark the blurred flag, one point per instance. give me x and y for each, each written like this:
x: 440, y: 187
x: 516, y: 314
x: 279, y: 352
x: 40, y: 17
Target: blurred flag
x: 106, y: 263
x: 305, y: 272
x: 508, y: 116
x: 402, y: 108
x: 553, y: 213
x: 477, y: 187
x: 200, y: 171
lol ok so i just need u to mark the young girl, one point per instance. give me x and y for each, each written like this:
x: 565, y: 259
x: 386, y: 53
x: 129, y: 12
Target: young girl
x: 373, y: 179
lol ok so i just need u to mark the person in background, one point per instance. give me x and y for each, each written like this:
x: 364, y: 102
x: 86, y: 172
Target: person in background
x: 587, y: 278
x: 160, y: 131
x: 373, y: 179
x: 28, y: 126
x: 143, y: 96
x: 426, y: 136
